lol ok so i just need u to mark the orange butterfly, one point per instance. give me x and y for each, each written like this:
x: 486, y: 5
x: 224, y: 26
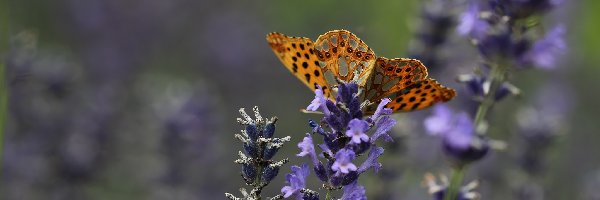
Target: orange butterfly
x: 340, y: 55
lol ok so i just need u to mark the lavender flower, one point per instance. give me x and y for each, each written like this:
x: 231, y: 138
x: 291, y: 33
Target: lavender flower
x: 258, y: 168
x: 307, y: 147
x: 544, y: 52
x: 357, y: 131
x: 343, y: 161
x: 319, y: 102
x: 500, y: 39
x: 345, y: 136
x: 459, y: 139
x: 479, y: 87
x: 296, y: 181
x: 354, y: 191
x: 471, y: 24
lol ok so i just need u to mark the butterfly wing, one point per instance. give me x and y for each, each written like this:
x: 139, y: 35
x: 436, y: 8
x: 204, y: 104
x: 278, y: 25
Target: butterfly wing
x: 405, y: 82
x: 420, y: 95
x: 342, y: 55
x: 299, y: 56
x: 392, y: 75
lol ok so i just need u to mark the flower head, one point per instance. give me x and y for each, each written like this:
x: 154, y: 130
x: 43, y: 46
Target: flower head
x: 354, y: 191
x: 296, y: 181
x: 319, y: 102
x: 357, y: 131
x: 458, y: 135
x: 440, y: 122
x: 307, y: 147
x: 544, y: 52
x: 343, y: 161
x: 471, y: 23
x: 345, y: 135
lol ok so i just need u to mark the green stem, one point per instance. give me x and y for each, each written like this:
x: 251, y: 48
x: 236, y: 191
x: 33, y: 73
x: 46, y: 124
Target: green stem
x: 4, y: 48
x: 497, y: 77
x: 455, y: 183
x: 328, y: 195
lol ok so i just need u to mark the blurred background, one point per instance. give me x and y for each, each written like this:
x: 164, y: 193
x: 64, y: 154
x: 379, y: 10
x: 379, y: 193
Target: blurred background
x: 125, y: 99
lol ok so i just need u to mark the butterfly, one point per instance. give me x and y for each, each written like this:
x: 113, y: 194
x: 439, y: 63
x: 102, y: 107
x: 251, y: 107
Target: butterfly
x: 341, y: 55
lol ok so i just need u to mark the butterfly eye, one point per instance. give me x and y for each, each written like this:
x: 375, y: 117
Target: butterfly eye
x: 367, y: 57
x: 334, y: 49
x: 342, y: 44
x: 349, y: 50
x: 358, y: 54
x: 327, y: 54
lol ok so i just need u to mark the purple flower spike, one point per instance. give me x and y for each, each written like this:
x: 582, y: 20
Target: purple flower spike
x: 381, y: 110
x: 357, y: 131
x: 297, y: 181
x: 471, y: 24
x: 544, y: 53
x: 343, y: 161
x: 319, y: 101
x: 372, y: 160
x: 461, y: 136
x: 307, y: 147
x: 440, y: 122
x: 354, y: 191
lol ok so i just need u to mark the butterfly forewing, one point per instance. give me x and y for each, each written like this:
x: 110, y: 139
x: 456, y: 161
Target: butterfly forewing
x: 344, y: 56
x: 299, y: 56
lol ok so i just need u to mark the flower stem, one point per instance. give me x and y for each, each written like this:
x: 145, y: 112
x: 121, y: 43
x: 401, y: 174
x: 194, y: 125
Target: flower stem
x: 4, y: 48
x: 328, y: 195
x: 455, y: 182
x: 497, y: 77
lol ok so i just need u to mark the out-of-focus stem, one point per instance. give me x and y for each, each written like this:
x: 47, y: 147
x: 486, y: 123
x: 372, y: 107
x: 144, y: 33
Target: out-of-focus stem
x: 455, y: 182
x: 497, y: 77
x: 4, y: 46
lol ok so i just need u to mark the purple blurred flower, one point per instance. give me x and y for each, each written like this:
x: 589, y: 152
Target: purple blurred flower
x: 440, y: 122
x: 357, y: 131
x: 479, y: 87
x: 545, y: 51
x: 461, y: 135
x: 458, y: 135
x: 354, y: 191
x: 296, y: 181
x: 471, y: 23
x: 343, y: 161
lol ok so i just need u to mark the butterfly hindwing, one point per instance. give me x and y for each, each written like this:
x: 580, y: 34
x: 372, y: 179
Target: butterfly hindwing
x: 299, y: 56
x: 342, y: 54
x: 420, y: 95
x: 392, y: 75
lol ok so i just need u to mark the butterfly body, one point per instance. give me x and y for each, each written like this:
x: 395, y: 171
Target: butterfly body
x: 340, y: 55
